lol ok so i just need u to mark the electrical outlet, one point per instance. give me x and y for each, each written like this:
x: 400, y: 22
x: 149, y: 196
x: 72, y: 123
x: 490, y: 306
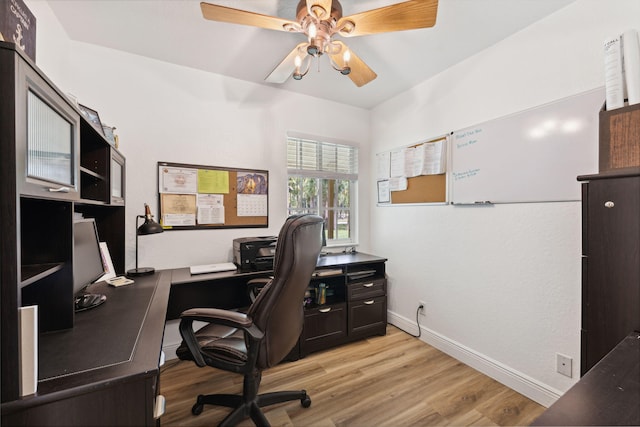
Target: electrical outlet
x: 423, y: 310
x: 563, y: 364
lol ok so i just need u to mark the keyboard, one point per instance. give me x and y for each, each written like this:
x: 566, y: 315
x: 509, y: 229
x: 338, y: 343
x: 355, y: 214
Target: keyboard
x: 212, y: 268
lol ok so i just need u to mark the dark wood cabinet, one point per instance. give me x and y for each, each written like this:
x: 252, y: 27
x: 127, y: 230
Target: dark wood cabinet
x: 55, y: 167
x: 611, y: 262
x: 355, y: 306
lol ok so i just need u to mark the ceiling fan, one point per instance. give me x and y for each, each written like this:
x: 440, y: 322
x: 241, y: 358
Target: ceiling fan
x: 320, y: 21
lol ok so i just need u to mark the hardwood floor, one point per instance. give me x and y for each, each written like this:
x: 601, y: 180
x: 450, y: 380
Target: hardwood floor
x: 395, y: 380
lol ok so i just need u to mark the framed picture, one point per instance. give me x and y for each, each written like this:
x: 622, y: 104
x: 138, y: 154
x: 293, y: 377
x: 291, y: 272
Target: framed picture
x: 384, y: 191
x: 93, y: 118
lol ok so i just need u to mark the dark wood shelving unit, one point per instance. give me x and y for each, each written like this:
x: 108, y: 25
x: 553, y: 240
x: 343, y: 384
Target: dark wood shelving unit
x: 37, y: 220
x: 33, y: 273
x: 355, y: 306
x: 610, y: 262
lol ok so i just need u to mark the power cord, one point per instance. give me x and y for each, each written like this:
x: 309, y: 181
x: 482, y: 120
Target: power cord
x: 420, y: 307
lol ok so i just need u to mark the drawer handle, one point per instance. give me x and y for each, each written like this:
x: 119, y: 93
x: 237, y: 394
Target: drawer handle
x: 325, y: 310
x: 59, y: 190
x: 367, y: 285
x: 609, y: 204
x: 368, y: 302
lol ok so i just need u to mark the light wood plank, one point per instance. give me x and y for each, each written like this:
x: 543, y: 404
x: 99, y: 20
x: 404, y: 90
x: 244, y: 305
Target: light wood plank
x: 394, y: 380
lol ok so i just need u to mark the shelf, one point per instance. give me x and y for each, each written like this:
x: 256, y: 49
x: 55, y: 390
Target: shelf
x: 33, y: 273
x: 328, y: 272
x: 91, y: 173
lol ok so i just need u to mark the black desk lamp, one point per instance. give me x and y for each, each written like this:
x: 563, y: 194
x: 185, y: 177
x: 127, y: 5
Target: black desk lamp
x: 148, y: 227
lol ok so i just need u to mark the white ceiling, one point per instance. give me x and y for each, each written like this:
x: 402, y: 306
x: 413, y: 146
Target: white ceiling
x: 175, y: 31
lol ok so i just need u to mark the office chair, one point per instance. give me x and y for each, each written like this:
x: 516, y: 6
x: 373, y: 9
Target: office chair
x: 250, y: 343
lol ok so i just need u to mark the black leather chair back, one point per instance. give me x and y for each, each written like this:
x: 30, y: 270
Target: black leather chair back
x: 278, y: 309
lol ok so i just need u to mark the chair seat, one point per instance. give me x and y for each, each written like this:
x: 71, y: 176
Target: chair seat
x: 218, y: 341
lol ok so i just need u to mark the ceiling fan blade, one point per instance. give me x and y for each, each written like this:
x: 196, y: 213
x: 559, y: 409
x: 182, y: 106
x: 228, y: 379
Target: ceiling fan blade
x: 284, y: 69
x: 324, y: 8
x: 360, y: 73
x: 409, y: 15
x: 235, y: 16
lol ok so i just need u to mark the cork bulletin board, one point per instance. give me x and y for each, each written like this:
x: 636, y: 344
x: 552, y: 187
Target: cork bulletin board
x: 209, y: 197
x: 414, y: 173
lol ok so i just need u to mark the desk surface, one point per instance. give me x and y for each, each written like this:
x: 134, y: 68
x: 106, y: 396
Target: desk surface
x: 111, y: 343
x: 609, y: 394
x: 183, y: 275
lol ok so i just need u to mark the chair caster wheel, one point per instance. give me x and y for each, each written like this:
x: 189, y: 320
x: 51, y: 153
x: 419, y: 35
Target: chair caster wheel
x: 197, y: 409
x: 305, y: 402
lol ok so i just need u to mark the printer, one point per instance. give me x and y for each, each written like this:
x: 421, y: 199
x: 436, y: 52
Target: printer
x: 254, y: 253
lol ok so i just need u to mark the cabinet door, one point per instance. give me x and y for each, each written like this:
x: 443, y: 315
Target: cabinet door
x: 368, y: 317
x: 324, y: 327
x: 612, y: 295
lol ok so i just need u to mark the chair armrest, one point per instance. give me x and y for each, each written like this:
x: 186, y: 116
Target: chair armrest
x: 233, y: 319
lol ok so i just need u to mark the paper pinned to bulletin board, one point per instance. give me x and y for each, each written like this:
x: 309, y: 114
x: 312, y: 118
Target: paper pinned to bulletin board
x: 198, y: 196
x: 413, y: 174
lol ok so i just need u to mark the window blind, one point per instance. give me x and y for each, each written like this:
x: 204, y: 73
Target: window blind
x: 321, y: 159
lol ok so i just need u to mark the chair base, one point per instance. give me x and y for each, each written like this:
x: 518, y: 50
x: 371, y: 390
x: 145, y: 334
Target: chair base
x: 251, y: 408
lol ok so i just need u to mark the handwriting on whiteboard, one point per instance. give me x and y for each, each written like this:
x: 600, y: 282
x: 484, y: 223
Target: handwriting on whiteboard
x: 465, y: 139
x: 466, y: 174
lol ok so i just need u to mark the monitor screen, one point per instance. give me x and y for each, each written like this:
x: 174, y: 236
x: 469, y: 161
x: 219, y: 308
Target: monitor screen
x: 87, y: 258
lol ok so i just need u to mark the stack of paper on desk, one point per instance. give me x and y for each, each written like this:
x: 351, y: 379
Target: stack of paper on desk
x: 212, y: 268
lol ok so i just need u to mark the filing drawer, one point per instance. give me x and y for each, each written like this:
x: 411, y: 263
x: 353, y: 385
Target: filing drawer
x: 368, y: 317
x: 324, y: 326
x: 367, y: 289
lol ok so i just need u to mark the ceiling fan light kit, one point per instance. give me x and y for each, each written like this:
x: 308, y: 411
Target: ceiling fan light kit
x: 320, y: 21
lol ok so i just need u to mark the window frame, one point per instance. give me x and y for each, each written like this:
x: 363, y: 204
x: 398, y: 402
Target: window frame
x: 334, y: 162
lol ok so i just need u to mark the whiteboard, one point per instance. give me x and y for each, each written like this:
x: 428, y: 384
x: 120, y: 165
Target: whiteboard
x: 530, y: 156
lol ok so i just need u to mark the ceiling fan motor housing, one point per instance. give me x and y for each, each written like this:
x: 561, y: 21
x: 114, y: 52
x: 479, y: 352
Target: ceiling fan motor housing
x: 325, y: 25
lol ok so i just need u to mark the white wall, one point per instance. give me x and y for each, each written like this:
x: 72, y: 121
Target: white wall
x: 502, y: 284
x: 165, y: 112
x: 52, y: 44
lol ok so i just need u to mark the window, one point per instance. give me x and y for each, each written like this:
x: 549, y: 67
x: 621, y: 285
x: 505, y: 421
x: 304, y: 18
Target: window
x: 323, y: 178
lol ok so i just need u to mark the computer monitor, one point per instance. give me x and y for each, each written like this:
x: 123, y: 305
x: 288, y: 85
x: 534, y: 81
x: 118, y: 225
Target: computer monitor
x: 87, y: 263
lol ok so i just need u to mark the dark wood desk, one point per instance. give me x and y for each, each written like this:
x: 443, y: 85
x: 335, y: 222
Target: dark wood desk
x: 608, y: 394
x: 103, y: 371
x: 228, y: 290
x: 356, y: 309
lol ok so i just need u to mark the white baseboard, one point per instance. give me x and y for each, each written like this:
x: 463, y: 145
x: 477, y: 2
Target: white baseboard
x: 170, y: 351
x: 513, y: 379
